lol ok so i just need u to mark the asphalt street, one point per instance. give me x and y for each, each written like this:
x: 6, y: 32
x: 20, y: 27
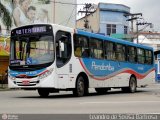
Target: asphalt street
x: 145, y: 100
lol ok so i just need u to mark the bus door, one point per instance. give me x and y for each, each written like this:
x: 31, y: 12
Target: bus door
x: 63, y: 55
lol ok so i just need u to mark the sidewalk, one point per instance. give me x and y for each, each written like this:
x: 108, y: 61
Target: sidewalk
x: 155, y: 85
x: 4, y: 87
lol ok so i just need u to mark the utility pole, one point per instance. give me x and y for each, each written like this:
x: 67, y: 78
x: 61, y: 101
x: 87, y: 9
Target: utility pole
x: 87, y: 10
x: 141, y: 23
x: 133, y: 17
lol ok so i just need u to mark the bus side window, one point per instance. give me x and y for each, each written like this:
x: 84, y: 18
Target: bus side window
x: 132, y: 57
x: 80, y: 46
x: 78, y: 51
x: 141, y: 56
x: 96, y: 48
x: 120, y: 52
x: 148, y: 57
x: 109, y: 48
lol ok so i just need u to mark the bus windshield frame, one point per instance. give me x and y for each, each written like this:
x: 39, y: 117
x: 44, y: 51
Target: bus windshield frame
x: 32, y: 47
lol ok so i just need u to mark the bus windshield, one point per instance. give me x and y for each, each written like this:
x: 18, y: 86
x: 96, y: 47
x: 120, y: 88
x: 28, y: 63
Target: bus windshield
x: 31, y: 50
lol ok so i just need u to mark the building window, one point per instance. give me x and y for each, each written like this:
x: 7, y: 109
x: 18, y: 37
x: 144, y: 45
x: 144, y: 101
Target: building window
x: 125, y: 30
x: 111, y: 29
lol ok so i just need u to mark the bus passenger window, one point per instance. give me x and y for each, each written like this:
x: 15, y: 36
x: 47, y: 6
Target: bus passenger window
x: 96, y: 48
x: 148, y: 55
x: 109, y: 50
x: 78, y: 52
x: 80, y: 45
x: 85, y: 53
x: 141, y: 56
x: 132, y: 54
x: 120, y: 52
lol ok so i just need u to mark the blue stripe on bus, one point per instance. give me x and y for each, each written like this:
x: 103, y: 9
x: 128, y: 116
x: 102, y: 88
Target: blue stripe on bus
x: 107, y: 38
x: 29, y: 73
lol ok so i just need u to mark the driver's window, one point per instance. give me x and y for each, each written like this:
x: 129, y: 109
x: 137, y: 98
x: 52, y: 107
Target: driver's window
x: 63, y: 39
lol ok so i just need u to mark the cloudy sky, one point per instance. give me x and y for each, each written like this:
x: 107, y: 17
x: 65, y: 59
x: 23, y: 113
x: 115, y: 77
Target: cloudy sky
x: 149, y: 8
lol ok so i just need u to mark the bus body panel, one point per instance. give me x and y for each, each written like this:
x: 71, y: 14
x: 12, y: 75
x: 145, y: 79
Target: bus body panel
x: 100, y: 72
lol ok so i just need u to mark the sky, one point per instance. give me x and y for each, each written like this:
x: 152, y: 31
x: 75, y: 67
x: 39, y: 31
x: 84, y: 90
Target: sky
x: 149, y: 8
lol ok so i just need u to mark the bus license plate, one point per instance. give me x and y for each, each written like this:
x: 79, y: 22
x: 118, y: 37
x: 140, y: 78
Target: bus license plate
x: 25, y: 82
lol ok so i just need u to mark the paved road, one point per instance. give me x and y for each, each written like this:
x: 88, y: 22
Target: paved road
x: 146, y: 100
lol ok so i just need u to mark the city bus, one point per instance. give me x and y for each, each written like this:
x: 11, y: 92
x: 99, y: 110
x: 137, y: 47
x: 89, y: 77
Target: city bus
x: 51, y: 58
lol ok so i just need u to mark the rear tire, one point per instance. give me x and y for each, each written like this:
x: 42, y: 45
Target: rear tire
x: 132, y: 86
x: 43, y: 92
x: 81, y: 89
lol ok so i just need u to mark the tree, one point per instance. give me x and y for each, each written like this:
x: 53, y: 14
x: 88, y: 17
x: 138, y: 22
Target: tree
x: 5, y: 16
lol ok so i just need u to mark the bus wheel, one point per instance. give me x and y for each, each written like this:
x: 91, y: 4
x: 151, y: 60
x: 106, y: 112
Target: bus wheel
x: 43, y: 92
x: 79, y: 91
x: 132, y: 86
x: 101, y: 90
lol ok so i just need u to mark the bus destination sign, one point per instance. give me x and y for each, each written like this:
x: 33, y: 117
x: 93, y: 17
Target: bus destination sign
x: 38, y: 29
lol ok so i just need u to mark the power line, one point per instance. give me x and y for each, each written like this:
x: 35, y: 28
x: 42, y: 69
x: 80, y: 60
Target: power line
x: 87, y: 10
x: 71, y: 15
x: 65, y: 3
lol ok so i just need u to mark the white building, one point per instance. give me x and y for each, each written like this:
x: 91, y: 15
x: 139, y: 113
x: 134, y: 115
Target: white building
x: 150, y: 39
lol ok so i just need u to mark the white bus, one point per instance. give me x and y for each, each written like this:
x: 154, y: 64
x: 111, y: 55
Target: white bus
x: 51, y: 58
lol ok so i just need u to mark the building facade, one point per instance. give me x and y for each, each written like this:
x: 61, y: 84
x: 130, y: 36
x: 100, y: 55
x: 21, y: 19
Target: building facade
x: 151, y: 39
x: 108, y: 19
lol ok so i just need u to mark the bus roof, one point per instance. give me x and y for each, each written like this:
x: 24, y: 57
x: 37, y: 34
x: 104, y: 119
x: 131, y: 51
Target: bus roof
x: 89, y: 34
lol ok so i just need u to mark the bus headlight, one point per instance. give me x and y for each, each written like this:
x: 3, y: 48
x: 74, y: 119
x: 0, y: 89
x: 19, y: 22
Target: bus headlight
x: 11, y: 77
x: 45, y: 74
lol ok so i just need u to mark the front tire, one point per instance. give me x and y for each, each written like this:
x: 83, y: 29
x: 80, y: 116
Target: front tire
x: 79, y: 91
x: 44, y: 93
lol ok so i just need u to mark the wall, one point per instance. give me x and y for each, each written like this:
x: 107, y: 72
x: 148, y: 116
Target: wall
x: 93, y: 22
x: 56, y: 11
x: 113, y: 14
x: 106, y: 13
